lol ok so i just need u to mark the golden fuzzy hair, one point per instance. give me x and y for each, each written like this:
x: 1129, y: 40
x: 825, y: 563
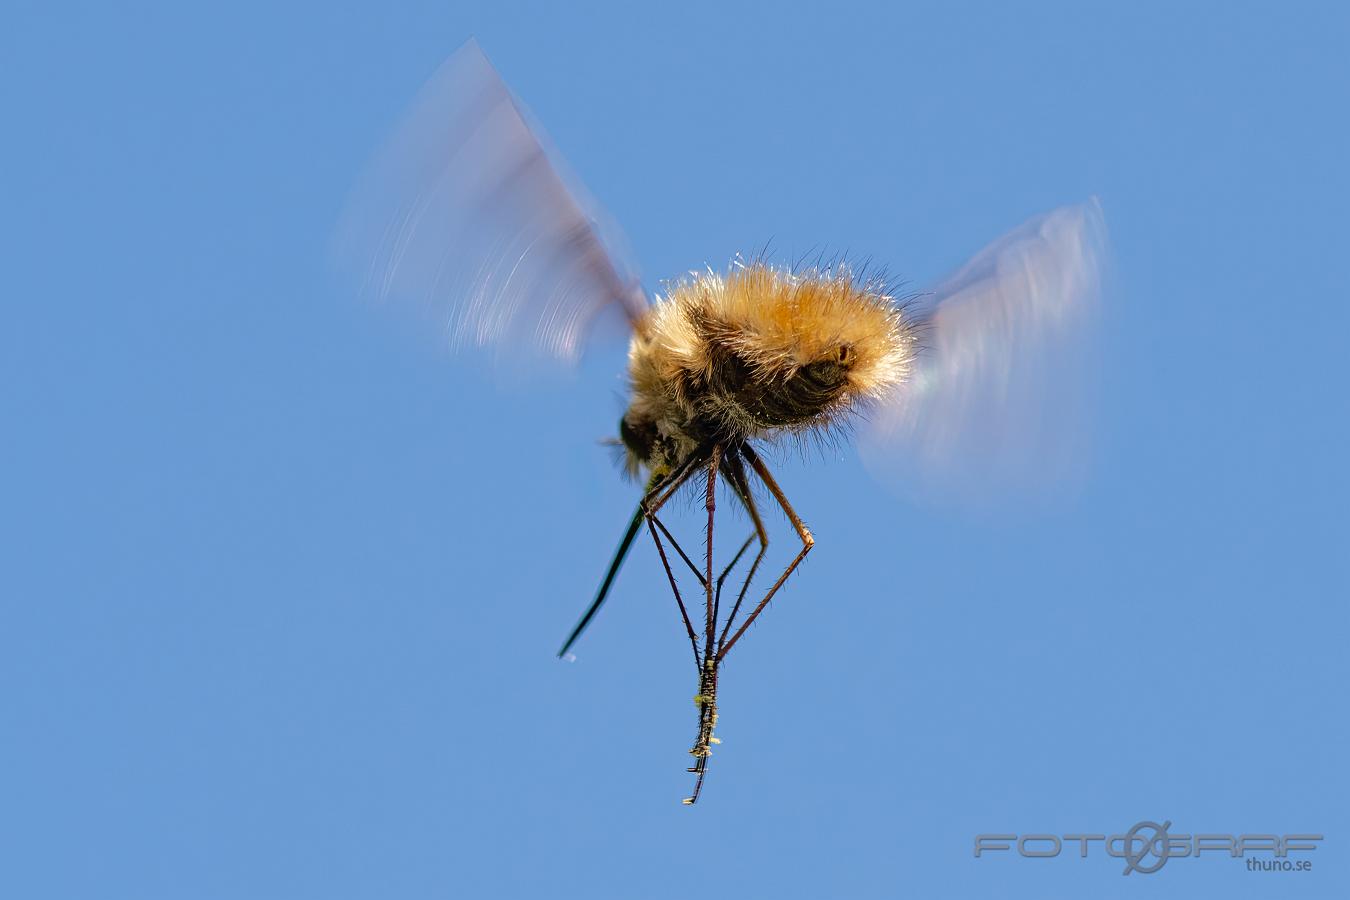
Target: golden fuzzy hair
x: 722, y: 354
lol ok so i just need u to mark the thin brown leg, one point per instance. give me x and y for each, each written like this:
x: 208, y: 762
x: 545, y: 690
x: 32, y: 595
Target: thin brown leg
x: 693, y: 568
x: 707, y: 686
x: 684, y: 613
x: 710, y: 503
x: 717, y: 594
x: 735, y: 475
x: 665, y: 532
x: 708, y: 661
x: 802, y: 532
x: 666, y: 490
x: 733, y: 472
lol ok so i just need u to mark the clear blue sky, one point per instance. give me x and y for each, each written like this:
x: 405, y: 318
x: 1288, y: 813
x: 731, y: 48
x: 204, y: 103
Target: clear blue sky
x: 282, y: 582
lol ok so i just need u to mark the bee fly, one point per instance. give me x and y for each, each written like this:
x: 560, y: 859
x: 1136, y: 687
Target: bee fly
x: 469, y: 211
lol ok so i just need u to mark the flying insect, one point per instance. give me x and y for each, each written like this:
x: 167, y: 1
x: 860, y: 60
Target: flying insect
x: 470, y: 212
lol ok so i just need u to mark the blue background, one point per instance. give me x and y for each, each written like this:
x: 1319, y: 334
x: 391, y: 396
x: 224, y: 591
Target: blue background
x: 282, y: 580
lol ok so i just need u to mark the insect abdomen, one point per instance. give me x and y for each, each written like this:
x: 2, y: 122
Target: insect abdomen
x: 801, y: 397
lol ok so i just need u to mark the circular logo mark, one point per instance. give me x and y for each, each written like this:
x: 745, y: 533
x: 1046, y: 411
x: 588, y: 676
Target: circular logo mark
x: 1137, y: 847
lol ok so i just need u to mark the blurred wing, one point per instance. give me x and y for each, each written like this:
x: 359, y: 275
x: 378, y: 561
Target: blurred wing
x: 997, y: 405
x: 467, y: 213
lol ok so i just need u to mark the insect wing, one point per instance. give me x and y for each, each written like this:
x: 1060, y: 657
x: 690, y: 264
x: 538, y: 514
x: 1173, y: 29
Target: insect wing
x: 997, y: 406
x: 469, y: 214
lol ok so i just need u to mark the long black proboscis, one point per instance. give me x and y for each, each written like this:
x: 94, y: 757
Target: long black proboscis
x: 619, y: 555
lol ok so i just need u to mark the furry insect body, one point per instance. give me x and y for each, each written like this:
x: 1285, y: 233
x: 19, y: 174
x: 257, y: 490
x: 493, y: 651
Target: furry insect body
x: 755, y: 352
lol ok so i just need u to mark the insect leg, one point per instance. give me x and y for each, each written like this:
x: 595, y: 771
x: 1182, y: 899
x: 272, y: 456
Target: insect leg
x: 693, y: 567
x: 726, y: 571
x: 668, y: 483
x: 706, y: 700
x: 649, y: 507
x: 735, y: 475
x: 707, y: 722
x: 710, y: 504
x: 717, y: 595
x: 802, y: 532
